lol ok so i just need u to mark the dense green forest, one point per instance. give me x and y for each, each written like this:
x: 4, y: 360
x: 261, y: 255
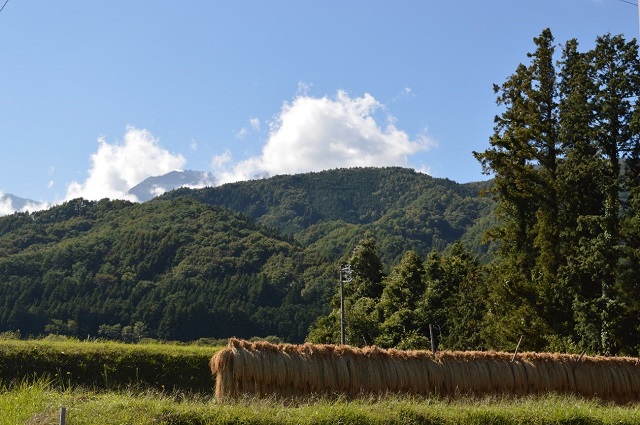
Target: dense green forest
x: 179, y: 268
x: 329, y: 211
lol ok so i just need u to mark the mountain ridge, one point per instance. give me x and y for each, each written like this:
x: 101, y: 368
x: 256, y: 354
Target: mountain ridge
x: 252, y: 258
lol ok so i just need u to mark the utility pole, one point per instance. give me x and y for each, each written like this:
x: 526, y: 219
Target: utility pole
x: 345, y: 276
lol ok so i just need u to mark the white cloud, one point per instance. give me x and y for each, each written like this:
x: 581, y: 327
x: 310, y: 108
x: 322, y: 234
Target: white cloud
x: 194, y: 145
x: 218, y: 162
x: 157, y: 190
x: 240, y: 134
x: 6, y: 206
x: 115, y: 168
x: 424, y: 170
x: 303, y: 88
x: 404, y: 93
x: 254, y: 123
x: 206, y: 180
x: 314, y: 134
x: 36, y: 206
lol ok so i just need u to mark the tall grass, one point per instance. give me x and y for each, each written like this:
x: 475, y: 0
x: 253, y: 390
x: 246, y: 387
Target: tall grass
x: 38, y: 403
x: 20, y: 402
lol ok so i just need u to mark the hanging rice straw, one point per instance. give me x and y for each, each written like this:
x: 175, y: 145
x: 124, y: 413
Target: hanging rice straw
x: 263, y: 369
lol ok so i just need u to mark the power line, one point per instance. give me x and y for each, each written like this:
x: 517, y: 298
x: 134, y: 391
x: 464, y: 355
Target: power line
x: 629, y: 2
x: 5, y: 3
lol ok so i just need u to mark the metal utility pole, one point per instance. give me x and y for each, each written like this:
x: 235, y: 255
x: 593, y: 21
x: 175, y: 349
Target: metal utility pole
x: 345, y: 276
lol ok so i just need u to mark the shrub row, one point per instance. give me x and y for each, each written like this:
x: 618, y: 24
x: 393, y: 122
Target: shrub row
x: 108, y: 365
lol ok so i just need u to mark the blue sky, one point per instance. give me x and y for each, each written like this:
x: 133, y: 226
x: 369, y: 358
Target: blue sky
x: 97, y: 95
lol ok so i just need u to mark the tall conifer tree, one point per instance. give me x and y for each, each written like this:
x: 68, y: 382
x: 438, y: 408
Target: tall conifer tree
x: 523, y: 156
x: 557, y: 154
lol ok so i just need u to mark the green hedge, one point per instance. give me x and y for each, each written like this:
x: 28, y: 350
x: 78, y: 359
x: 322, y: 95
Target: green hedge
x: 108, y: 365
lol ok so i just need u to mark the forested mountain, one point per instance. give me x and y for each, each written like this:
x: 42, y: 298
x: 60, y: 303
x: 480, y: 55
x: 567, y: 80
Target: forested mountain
x: 173, y: 269
x: 330, y: 211
x: 179, y: 267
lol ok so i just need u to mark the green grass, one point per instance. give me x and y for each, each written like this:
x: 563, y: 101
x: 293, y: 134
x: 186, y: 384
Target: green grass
x: 39, y: 403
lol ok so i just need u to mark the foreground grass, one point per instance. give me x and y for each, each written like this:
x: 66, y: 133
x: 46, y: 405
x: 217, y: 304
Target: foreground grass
x: 38, y: 403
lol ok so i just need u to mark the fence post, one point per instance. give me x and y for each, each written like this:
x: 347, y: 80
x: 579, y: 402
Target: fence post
x: 63, y: 415
x: 433, y: 342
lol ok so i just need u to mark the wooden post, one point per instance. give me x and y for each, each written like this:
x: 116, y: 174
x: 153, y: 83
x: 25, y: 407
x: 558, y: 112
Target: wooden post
x: 341, y: 309
x: 517, y: 347
x: 63, y: 415
x: 345, y: 276
x: 433, y: 343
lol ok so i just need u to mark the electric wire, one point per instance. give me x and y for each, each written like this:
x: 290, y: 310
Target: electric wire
x: 2, y: 8
x: 629, y: 2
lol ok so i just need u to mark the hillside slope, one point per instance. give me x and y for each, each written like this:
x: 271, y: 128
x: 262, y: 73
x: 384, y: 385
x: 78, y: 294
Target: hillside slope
x: 330, y: 210
x: 178, y: 269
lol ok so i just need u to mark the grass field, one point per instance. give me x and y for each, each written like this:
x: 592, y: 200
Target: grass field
x: 111, y: 383
x: 38, y: 403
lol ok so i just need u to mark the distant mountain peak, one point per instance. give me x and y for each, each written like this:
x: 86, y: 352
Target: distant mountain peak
x: 10, y: 203
x: 154, y: 186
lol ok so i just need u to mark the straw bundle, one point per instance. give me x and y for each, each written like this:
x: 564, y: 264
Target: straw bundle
x: 285, y: 370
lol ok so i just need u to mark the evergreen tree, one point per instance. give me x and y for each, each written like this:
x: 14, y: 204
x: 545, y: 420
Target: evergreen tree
x: 557, y: 155
x: 402, y: 325
x: 615, y: 71
x: 367, y: 270
x: 524, y: 156
x: 454, y: 302
x: 581, y: 167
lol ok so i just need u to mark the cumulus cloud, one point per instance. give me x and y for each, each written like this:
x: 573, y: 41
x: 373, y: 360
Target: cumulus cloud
x: 115, y: 168
x: 314, y: 134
